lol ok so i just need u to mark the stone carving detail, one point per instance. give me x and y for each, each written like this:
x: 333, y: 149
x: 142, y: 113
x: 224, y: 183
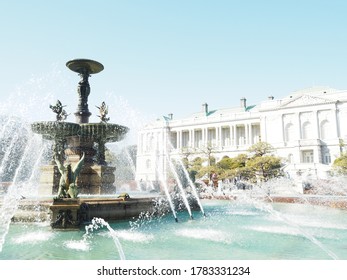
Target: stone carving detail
x: 64, y: 219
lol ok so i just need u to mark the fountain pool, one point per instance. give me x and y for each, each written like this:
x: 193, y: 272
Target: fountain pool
x: 243, y: 229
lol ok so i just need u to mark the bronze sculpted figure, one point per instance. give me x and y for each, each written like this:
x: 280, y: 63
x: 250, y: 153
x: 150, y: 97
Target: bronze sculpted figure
x: 67, y: 183
x: 64, y: 219
x: 58, y: 109
x: 103, y: 109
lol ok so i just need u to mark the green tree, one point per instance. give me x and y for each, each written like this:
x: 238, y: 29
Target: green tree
x: 193, y: 167
x: 340, y: 164
x: 232, y: 167
x: 259, y: 163
x: 208, y: 150
x: 261, y: 148
x: 233, y: 163
x: 264, y: 167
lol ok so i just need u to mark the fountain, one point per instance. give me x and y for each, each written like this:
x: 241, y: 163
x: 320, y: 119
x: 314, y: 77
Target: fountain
x: 78, y: 164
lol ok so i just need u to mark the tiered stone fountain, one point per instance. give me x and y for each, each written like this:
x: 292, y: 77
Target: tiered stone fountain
x: 83, y: 144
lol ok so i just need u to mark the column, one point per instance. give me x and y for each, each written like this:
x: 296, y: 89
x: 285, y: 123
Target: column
x: 204, y: 136
x: 282, y: 128
x: 180, y: 138
x: 316, y: 125
x: 250, y: 135
x: 219, y: 136
x: 178, y: 134
x: 336, y: 121
x: 299, y: 125
x: 247, y: 134
x: 231, y: 135
x: 236, y: 140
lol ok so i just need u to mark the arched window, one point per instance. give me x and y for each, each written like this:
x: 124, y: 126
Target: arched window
x: 290, y: 158
x: 288, y: 132
x: 324, y: 129
x: 306, y: 130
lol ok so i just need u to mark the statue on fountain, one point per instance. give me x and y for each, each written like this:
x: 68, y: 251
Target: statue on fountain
x: 58, y: 109
x: 103, y: 109
x: 67, y: 184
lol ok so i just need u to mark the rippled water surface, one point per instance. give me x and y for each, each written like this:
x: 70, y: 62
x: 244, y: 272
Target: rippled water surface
x: 230, y: 230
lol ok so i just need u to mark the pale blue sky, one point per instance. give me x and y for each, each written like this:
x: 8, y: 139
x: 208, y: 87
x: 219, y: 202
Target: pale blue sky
x: 165, y: 57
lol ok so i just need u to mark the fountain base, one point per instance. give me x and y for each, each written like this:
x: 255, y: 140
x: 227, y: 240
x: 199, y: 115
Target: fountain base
x: 69, y: 214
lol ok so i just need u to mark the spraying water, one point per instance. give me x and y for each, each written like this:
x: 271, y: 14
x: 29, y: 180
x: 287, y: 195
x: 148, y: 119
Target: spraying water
x: 268, y: 208
x: 179, y: 184
x: 166, y: 190
x: 29, y: 160
x: 97, y: 223
x: 191, y: 184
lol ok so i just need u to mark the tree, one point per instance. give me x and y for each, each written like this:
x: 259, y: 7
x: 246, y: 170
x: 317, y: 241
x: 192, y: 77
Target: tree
x: 232, y: 167
x: 261, y: 148
x: 233, y: 163
x: 185, y: 154
x: 193, y: 167
x: 208, y: 151
x: 340, y: 164
x: 264, y: 167
x: 262, y: 164
x: 259, y: 163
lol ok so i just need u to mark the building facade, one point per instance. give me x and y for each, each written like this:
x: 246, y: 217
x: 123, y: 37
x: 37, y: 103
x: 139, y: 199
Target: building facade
x: 308, y: 130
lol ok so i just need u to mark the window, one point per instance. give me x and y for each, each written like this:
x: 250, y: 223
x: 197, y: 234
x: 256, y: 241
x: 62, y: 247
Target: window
x: 211, y: 136
x: 185, y: 139
x: 288, y: 132
x: 290, y: 158
x: 173, y: 139
x: 225, y: 136
x: 148, y: 163
x: 255, y: 133
x: 307, y: 156
x: 306, y: 130
x: 327, y: 159
x: 324, y: 129
x: 198, y: 138
x: 240, y: 132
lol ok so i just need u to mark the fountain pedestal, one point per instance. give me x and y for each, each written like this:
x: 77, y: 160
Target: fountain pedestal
x: 93, y: 179
x: 49, y: 180
x: 97, y: 179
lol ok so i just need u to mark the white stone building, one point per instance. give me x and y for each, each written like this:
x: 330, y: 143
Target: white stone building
x: 307, y: 129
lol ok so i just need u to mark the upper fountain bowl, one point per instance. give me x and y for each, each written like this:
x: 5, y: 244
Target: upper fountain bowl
x: 105, y: 132
x: 52, y: 130
x: 85, y: 66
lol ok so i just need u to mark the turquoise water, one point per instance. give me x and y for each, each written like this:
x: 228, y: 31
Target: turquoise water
x: 243, y: 230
